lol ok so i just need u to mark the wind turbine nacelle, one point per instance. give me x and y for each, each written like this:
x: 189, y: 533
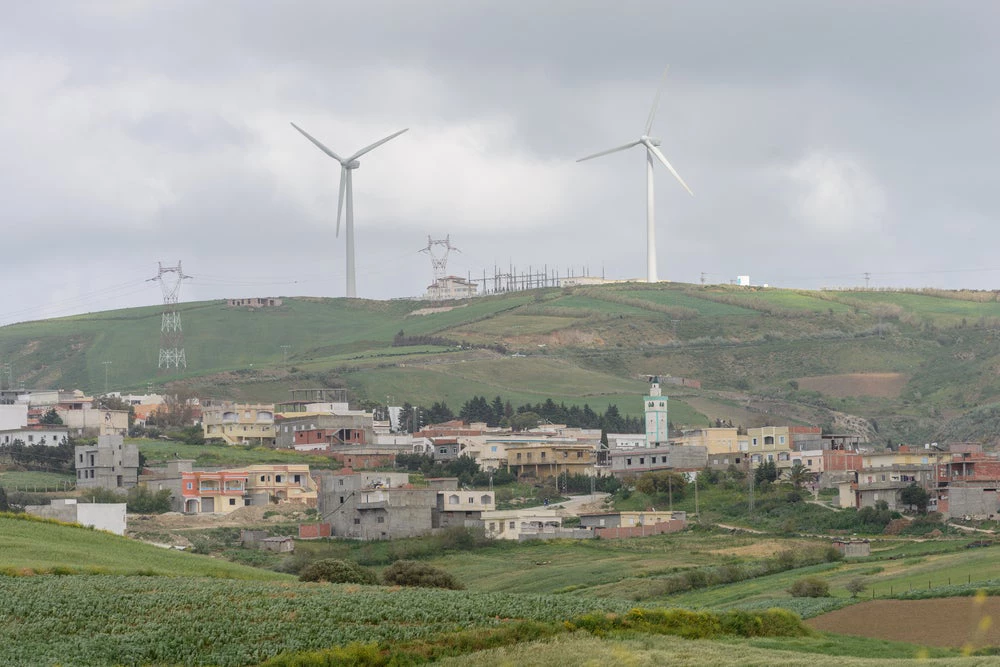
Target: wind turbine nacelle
x: 652, y: 140
x: 353, y: 164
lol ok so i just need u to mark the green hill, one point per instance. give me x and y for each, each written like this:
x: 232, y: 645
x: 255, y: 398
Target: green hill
x: 891, y: 365
x: 33, y: 545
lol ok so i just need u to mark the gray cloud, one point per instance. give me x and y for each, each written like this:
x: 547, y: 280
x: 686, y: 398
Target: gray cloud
x: 822, y: 140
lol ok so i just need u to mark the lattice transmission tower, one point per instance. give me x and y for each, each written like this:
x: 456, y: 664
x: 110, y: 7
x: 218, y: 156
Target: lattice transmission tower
x: 439, y: 259
x: 171, y: 332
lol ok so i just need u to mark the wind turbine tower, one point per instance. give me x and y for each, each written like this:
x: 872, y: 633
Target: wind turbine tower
x: 439, y: 261
x: 171, y: 333
x: 347, y: 167
x: 652, y: 151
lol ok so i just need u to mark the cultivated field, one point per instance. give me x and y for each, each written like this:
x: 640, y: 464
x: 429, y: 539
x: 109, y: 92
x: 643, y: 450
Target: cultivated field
x: 954, y: 622
x: 886, y: 385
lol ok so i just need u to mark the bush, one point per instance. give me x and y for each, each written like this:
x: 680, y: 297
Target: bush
x: 810, y: 587
x: 413, y: 573
x: 337, y: 572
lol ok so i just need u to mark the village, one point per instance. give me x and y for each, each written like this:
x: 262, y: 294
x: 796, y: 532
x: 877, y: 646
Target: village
x: 366, y: 495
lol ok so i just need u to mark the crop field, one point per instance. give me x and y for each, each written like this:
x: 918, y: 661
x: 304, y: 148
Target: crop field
x: 514, y: 324
x: 937, y: 308
x: 653, y: 651
x: 41, y: 546
x: 676, y: 298
x: 21, y: 479
x: 953, y: 622
x: 886, y: 385
x: 108, y: 620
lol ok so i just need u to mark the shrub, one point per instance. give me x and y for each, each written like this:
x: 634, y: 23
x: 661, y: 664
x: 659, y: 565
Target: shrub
x: 413, y: 573
x: 337, y: 572
x: 810, y: 587
x: 855, y: 586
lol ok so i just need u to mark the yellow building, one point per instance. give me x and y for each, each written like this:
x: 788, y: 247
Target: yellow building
x: 282, y: 482
x: 545, y: 460
x: 240, y: 424
x: 714, y: 440
x: 768, y: 443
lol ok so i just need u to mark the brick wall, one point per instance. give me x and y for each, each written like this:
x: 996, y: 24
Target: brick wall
x: 671, y: 526
x: 312, y: 531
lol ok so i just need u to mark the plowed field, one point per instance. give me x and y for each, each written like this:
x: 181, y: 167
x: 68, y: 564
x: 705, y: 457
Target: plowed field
x: 885, y: 385
x: 953, y: 622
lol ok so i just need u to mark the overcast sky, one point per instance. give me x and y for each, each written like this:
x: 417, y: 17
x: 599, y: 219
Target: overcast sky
x: 821, y: 140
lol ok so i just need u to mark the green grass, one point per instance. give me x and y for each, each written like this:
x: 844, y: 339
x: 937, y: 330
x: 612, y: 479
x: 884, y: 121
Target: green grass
x: 39, y: 546
x: 26, y: 479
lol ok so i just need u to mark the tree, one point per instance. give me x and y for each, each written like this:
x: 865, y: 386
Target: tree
x: 765, y: 472
x: 523, y: 421
x: 663, y: 482
x: 439, y: 413
x: 798, y: 475
x: 855, y: 586
x: 51, y: 418
x: 4, y: 505
x: 915, y: 497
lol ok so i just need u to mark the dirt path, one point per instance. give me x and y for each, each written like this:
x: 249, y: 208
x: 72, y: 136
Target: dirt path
x: 577, y: 505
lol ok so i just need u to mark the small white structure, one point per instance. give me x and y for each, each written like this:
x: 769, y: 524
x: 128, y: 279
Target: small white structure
x: 102, y: 516
x: 743, y: 281
x: 513, y: 524
x: 451, y: 287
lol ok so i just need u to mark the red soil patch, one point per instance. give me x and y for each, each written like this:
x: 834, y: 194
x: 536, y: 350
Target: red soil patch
x: 886, y: 385
x: 952, y: 622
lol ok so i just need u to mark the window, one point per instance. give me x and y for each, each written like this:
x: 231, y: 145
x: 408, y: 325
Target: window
x: 493, y: 448
x: 31, y: 438
x: 493, y: 526
x: 769, y: 440
x: 453, y: 499
x: 297, y: 479
x: 781, y: 439
x: 642, y: 460
x: 529, y: 456
x: 628, y: 462
x: 262, y: 478
x: 652, y: 459
x: 519, y: 456
x: 381, y: 519
x: 543, y: 456
x: 232, y: 501
x: 342, y: 500
x: 662, y: 404
x: 277, y: 478
x: 651, y: 404
x: 512, y: 525
x: 443, y: 450
x: 357, y: 522
x: 754, y: 442
x: 579, y: 455
x: 340, y: 482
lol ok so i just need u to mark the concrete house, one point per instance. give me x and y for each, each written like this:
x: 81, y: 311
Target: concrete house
x: 109, y: 464
x: 239, y: 424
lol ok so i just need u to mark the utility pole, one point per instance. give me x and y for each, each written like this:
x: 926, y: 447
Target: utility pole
x: 284, y: 354
x: 106, y: 365
x: 696, y: 495
x: 751, y: 488
x: 702, y: 277
x: 868, y: 276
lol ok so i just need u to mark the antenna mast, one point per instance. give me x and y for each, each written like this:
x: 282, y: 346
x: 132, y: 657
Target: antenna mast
x: 171, y: 333
x: 439, y: 260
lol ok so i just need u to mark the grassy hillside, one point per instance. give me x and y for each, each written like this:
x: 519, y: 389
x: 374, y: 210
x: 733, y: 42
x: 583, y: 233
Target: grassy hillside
x: 40, y: 546
x: 806, y: 353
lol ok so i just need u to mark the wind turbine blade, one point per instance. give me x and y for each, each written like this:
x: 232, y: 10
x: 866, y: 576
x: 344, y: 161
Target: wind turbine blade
x: 375, y: 145
x: 659, y: 156
x: 610, y: 150
x: 656, y: 101
x: 340, y: 198
x: 317, y: 143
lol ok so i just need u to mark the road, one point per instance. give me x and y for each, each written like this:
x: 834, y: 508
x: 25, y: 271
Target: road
x: 577, y: 505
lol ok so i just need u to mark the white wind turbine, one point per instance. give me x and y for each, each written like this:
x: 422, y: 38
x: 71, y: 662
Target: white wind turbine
x: 346, y: 167
x: 651, y: 151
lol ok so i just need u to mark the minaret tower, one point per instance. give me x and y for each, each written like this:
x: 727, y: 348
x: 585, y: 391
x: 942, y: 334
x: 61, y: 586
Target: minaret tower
x: 657, y: 429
